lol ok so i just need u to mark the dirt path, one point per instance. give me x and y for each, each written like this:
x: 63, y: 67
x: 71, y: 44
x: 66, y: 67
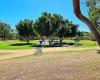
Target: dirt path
x: 69, y: 65
x: 8, y: 54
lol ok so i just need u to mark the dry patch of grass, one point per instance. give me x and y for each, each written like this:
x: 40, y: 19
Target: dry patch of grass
x: 63, y: 65
x: 2, y: 54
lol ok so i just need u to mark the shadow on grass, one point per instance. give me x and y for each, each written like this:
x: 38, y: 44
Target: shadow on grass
x: 54, y: 45
x: 21, y: 44
x: 57, y: 45
x: 45, y: 46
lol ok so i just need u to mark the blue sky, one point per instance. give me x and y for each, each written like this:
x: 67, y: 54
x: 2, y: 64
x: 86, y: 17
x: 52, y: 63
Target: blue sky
x: 12, y: 11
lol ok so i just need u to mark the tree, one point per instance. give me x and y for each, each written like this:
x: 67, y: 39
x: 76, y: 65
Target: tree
x: 12, y: 35
x: 91, y: 4
x: 85, y: 35
x: 94, y: 16
x: 26, y: 30
x: 94, y: 13
x: 54, y: 25
x: 43, y: 25
x: 77, y: 11
x: 5, y: 30
x: 68, y: 29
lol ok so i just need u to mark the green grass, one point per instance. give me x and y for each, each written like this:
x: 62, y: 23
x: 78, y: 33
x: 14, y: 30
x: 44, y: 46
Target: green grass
x: 15, y: 45
x: 88, y: 43
x: 85, y: 43
x: 18, y: 45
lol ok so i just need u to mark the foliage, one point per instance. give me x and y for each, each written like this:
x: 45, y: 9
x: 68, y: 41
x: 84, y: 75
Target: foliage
x: 43, y: 25
x: 91, y: 4
x: 54, y: 25
x: 5, y: 31
x: 26, y: 30
x: 94, y: 13
x: 68, y: 30
x: 85, y: 35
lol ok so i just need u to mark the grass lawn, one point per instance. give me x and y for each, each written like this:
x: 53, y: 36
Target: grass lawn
x: 17, y: 45
x: 85, y: 43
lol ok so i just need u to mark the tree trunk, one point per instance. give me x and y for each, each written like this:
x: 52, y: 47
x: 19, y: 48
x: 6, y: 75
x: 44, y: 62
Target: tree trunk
x: 27, y: 42
x: 61, y: 41
x: 77, y: 11
x: 2, y: 39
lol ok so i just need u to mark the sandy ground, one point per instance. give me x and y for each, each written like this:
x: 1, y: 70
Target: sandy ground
x: 82, y: 64
x: 8, y: 54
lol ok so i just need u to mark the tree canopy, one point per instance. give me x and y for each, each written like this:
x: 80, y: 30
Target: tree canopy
x: 26, y: 30
x: 78, y: 13
x: 5, y: 30
x: 51, y: 25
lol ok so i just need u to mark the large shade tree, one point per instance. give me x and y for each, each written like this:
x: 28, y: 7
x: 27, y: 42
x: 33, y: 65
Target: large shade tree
x: 5, y: 31
x: 26, y: 30
x: 54, y: 25
x: 68, y: 29
x: 77, y: 11
x: 43, y: 25
x: 47, y: 24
